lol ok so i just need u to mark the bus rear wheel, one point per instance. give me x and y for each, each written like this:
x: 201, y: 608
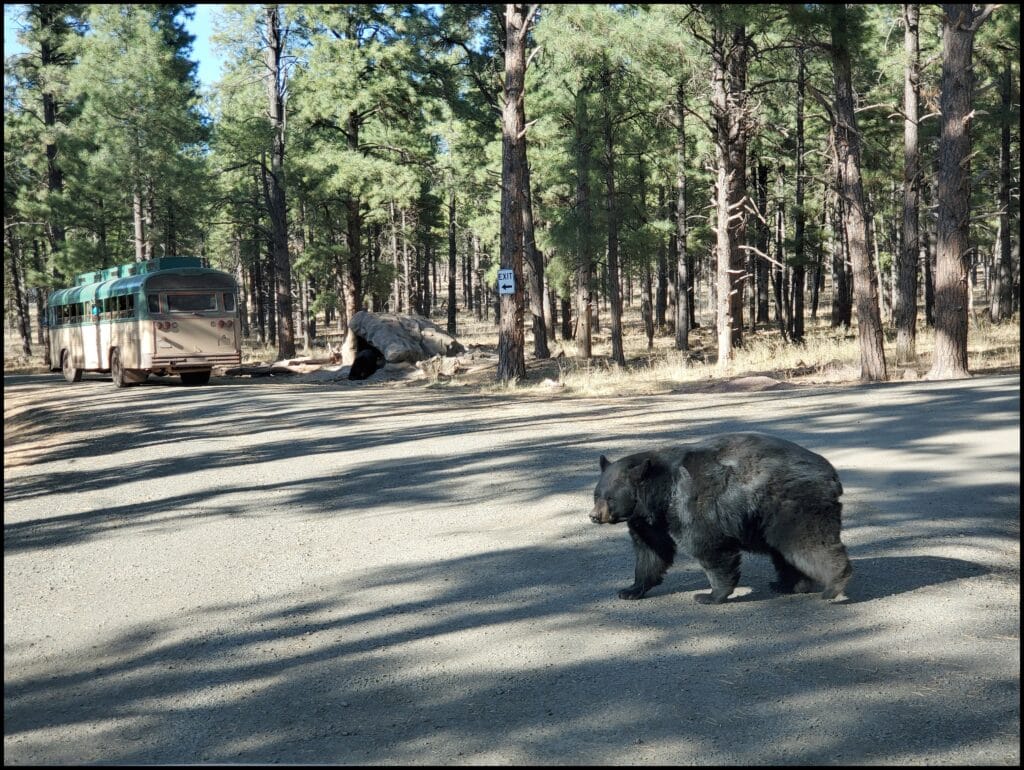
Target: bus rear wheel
x: 71, y: 374
x: 195, y: 378
x: 123, y: 377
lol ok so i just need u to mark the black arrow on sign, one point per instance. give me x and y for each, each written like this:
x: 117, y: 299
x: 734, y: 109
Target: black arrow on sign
x: 506, y: 286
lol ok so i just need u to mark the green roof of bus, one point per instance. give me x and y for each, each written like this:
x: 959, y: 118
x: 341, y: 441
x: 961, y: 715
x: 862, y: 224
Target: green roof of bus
x: 113, y: 286
x: 137, y: 268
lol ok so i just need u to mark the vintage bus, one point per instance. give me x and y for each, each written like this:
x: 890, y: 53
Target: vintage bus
x: 164, y: 316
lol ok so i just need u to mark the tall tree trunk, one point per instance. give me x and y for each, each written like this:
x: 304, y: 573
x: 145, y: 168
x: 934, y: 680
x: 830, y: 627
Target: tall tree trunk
x: 661, y: 291
x: 905, y: 304
x: 819, y: 277
x: 511, y: 357
x: 406, y: 267
x: 479, y: 300
x: 842, y: 301
x: 149, y: 216
x: 534, y: 259
x: 270, y: 281
x: 429, y: 271
x: 763, y: 232
x: 959, y: 24
x: 140, y: 240
x: 353, y: 291
x: 243, y: 296
x: 612, y: 209
x: 584, y: 258
x: 21, y: 307
x: 780, y: 270
x: 728, y: 84
x: 396, y: 291
x: 847, y: 143
x: 796, y: 328
x: 927, y: 258
x: 276, y: 206
x: 684, y: 273
x: 451, y: 262
x: 1002, y: 285
x: 49, y: 57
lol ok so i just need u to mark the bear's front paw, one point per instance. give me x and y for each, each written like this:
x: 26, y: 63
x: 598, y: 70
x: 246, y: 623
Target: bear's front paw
x: 804, y: 586
x: 631, y: 593
x: 709, y: 599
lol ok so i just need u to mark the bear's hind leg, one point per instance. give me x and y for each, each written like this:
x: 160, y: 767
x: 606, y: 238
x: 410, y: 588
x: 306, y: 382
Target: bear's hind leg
x: 791, y: 580
x: 829, y: 565
x: 723, y: 570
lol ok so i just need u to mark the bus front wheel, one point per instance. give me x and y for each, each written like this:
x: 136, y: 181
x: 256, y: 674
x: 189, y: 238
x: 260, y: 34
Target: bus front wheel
x: 71, y: 374
x: 195, y: 378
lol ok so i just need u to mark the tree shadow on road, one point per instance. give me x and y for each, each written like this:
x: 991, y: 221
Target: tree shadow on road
x: 448, y: 661
x: 521, y: 653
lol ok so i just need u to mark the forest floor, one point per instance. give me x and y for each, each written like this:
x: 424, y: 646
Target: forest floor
x: 279, y: 571
x: 766, y: 361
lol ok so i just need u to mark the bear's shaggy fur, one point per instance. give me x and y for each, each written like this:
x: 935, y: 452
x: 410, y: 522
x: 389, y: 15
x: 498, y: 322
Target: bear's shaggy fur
x: 732, y: 492
x: 367, y: 361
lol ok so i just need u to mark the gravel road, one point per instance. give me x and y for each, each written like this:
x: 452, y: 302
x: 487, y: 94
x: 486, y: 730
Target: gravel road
x: 265, y: 571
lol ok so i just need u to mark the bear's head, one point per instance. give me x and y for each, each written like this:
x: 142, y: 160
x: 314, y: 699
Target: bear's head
x: 617, y: 495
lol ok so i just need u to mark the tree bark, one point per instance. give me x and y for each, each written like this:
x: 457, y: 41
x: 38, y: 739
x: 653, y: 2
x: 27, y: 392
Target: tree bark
x: 661, y: 290
x: 905, y: 304
x: 584, y: 258
x: 611, y: 207
x: 763, y: 236
x: 780, y: 269
x: 511, y: 357
x: 728, y: 75
x: 50, y: 57
x: 953, y: 194
x: 276, y: 205
x: 847, y: 143
x: 451, y: 262
x: 534, y: 258
x: 796, y: 318
x: 1002, y: 285
x: 21, y: 306
x: 684, y: 275
x: 139, y: 239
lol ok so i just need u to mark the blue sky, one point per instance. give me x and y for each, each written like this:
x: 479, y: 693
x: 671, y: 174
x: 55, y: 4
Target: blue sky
x: 201, y: 26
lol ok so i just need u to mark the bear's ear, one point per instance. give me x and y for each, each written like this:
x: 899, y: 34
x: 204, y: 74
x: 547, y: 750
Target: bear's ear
x: 604, y: 463
x: 642, y: 472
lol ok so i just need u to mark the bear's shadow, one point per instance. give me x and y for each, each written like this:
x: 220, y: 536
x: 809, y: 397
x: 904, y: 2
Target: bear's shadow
x: 873, y: 578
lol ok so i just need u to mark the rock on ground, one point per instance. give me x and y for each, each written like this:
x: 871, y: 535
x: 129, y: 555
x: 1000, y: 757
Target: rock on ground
x: 400, y: 337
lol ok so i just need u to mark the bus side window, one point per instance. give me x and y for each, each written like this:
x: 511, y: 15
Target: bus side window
x: 154, y: 303
x: 229, y: 302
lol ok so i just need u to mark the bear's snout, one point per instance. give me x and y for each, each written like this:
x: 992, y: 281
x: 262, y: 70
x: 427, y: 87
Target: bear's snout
x: 600, y: 513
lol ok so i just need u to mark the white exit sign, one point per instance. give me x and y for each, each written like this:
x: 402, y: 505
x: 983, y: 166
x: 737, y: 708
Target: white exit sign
x: 506, y: 282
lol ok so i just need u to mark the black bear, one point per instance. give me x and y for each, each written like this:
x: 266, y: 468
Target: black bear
x: 733, y: 492
x: 367, y: 361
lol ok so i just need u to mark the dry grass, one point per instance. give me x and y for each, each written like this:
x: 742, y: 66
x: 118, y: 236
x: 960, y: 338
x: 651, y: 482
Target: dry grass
x: 828, y: 356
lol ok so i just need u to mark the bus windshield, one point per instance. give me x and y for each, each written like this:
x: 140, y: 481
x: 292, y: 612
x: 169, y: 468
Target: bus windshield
x: 191, y: 303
